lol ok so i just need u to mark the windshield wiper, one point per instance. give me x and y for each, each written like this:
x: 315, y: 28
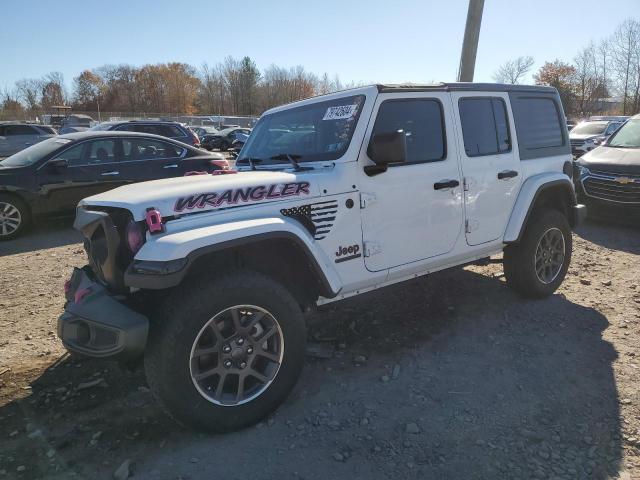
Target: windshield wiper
x: 251, y: 160
x: 291, y: 157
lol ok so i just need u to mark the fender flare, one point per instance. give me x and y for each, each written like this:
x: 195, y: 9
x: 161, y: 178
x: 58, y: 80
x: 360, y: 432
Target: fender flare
x: 531, y: 189
x: 166, y: 259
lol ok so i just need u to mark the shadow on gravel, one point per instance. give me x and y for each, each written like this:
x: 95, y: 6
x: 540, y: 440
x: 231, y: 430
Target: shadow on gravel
x: 613, y: 235
x: 461, y: 379
x: 47, y: 234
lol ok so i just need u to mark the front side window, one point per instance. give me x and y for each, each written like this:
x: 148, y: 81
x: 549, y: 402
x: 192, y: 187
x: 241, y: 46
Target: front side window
x: 421, y: 120
x: 485, y: 127
x: 316, y: 131
x: 149, y: 149
x: 101, y: 151
x: 73, y: 155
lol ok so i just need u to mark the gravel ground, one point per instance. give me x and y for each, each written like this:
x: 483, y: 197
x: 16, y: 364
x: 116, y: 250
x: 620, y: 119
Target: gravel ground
x: 448, y: 377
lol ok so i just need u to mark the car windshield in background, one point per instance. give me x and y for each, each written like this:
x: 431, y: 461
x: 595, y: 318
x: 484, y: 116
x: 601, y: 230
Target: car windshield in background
x: 31, y: 155
x: 590, y: 128
x: 628, y: 136
x: 101, y: 127
x: 318, y: 131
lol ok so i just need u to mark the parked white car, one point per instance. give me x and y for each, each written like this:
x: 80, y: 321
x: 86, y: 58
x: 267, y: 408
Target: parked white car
x: 207, y: 277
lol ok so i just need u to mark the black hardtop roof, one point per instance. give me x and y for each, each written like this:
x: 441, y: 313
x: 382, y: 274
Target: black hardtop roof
x: 464, y: 86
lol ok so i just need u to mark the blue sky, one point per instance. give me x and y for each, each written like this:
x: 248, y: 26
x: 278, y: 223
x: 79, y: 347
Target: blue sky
x: 360, y: 40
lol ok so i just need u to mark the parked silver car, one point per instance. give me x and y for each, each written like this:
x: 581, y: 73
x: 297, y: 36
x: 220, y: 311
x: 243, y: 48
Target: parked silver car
x: 16, y: 136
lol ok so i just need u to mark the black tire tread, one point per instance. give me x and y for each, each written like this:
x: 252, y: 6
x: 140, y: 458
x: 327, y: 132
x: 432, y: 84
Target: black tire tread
x: 167, y: 328
x: 517, y: 267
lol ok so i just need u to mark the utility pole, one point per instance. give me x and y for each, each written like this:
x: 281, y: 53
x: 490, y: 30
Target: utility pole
x: 470, y: 42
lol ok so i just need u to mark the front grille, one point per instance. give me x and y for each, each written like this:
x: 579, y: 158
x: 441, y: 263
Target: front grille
x: 612, y: 188
x: 576, y: 143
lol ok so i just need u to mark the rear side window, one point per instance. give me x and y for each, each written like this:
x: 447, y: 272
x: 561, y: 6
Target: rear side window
x: 47, y: 130
x: 422, y: 122
x: 485, y: 127
x: 149, y: 149
x: 11, y: 130
x: 541, y: 132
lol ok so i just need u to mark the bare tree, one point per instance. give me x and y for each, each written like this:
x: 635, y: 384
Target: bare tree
x: 626, y: 43
x: 513, y: 71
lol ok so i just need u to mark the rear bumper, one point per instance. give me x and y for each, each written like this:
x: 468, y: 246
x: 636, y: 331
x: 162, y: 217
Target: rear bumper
x: 97, y: 324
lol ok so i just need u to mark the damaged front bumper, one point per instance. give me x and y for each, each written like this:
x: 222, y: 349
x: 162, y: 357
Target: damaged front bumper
x: 97, y: 324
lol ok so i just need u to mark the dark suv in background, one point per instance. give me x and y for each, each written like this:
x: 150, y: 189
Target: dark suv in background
x: 174, y: 130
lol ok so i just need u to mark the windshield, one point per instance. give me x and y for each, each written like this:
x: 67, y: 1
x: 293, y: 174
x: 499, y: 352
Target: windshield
x: 32, y: 154
x: 590, y: 128
x: 318, y: 131
x: 628, y: 136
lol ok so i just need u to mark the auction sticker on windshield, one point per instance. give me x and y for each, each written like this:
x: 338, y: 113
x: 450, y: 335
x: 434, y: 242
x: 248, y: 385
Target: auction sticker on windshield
x: 340, y: 113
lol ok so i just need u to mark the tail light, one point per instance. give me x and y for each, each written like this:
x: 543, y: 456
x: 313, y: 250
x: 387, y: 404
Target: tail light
x: 194, y: 138
x: 135, y: 237
x: 222, y: 164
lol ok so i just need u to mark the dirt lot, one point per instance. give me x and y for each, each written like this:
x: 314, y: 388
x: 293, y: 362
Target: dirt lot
x: 446, y: 377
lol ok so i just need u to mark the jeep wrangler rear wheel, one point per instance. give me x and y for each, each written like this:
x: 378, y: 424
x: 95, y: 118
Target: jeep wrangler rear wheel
x: 537, y: 265
x: 224, y: 354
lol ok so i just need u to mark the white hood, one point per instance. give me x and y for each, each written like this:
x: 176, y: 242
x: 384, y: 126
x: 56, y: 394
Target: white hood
x: 175, y: 196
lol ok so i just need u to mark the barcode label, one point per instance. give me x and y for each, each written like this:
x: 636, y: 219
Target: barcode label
x: 340, y: 113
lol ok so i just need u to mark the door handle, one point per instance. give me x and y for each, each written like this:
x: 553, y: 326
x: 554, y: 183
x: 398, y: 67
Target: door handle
x: 441, y: 185
x: 110, y: 174
x: 506, y: 174
x: 171, y: 166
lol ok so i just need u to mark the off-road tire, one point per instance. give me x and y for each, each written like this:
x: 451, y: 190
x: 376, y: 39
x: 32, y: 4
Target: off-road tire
x: 178, y: 323
x: 520, y: 259
x: 24, y: 213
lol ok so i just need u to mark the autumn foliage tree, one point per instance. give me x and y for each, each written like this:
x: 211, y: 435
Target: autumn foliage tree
x: 561, y: 76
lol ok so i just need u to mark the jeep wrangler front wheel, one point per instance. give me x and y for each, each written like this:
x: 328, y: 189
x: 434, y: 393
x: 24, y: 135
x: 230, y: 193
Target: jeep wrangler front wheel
x: 225, y: 354
x: 537, y: 265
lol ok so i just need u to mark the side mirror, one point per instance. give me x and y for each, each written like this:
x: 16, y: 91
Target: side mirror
x: 58, y: 164
x: 386, y: 148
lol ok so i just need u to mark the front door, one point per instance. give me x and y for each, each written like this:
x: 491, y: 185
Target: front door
x: 413, y: 211
x: 490, y: 163
x: 91, y: 169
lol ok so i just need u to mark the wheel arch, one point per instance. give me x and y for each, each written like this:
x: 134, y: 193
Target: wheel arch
x: 550, y: 190
x: 285, y: 252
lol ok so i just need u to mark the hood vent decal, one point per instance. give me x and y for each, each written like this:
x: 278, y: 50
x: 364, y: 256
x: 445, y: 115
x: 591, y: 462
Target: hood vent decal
x: 316, y: 217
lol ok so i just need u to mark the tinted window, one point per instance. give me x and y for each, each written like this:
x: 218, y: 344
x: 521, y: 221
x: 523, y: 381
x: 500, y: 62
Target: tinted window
x: 10, y: 130
x: 101, y: 151
x: 422, y: 122
x: 485, y: 127
x: 73, y: 155
x: 148, y: 149
x: 538, y: 123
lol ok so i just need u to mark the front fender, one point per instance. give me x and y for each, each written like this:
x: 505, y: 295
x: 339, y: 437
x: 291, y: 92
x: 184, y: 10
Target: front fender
x: 531, y: 189
x: 177, y: 251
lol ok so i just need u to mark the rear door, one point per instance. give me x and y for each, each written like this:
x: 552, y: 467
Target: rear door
x: 151, y: 159
x: 490, y: 165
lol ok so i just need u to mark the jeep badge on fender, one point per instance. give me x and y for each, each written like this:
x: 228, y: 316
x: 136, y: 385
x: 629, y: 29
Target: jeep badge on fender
x: 213, y: 302
x: 348, y: 253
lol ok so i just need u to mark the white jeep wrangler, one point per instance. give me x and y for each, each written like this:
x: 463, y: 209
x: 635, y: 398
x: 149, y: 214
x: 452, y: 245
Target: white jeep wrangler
x: 207, y: 277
